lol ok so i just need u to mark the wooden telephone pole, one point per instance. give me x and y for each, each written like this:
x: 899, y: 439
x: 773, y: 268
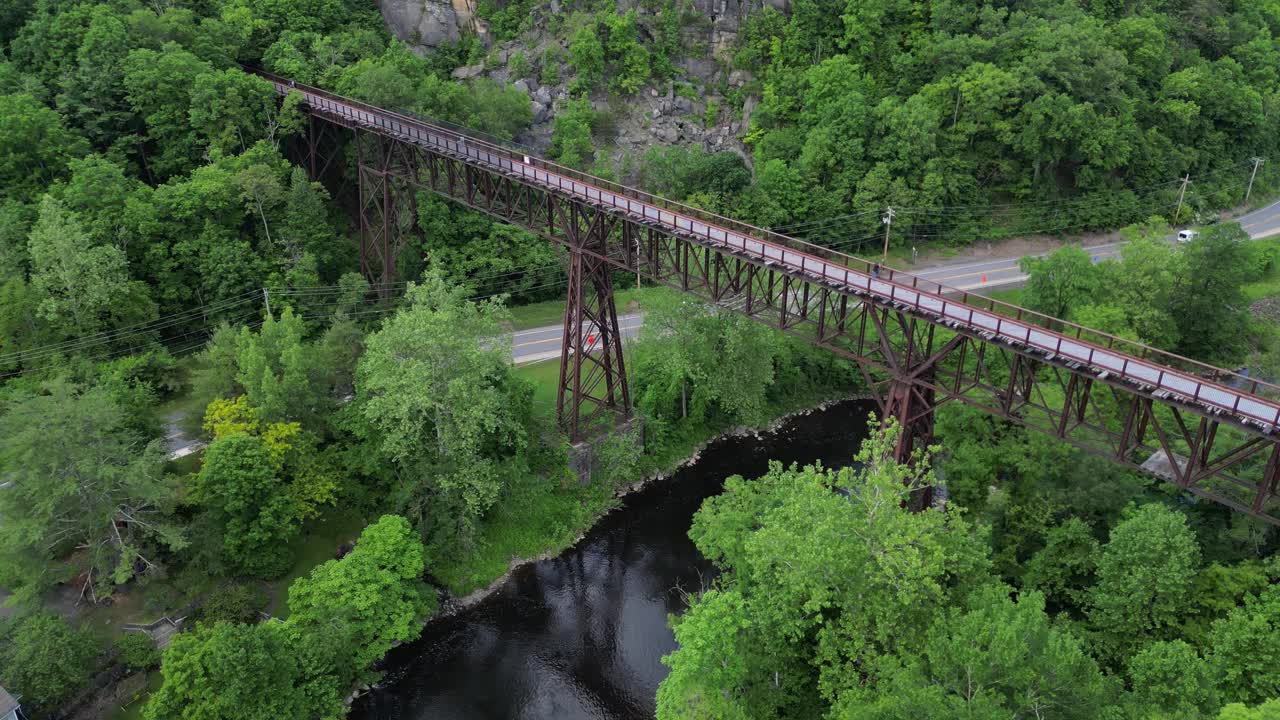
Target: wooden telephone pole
x: 1257, y: 162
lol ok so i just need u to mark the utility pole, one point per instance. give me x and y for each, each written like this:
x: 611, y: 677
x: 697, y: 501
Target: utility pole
x: 1257, y: 161
x: 1186, y: 180
x: 266, y: 299
x: 888, y: 223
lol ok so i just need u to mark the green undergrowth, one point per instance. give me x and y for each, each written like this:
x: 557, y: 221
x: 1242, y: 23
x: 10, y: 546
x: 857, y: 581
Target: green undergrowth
x: 539, y: 515
x: 318, y: 543
x: 543, y: 516
x: 1269, y: 284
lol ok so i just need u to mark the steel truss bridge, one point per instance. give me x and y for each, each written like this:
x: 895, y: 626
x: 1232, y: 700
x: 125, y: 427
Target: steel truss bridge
x: 918, y: 344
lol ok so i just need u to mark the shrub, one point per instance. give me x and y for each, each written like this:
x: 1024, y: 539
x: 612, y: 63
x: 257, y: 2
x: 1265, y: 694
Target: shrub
x: 236, y: 603
x: 518, y: 65
x: 550, y: 72
x: 138, y: 651
x: 45, y: 660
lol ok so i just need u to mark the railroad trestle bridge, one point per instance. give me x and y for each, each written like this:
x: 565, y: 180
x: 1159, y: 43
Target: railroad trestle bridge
x: 917, y: 344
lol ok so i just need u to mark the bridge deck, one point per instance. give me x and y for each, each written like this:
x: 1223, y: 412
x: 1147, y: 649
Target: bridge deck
x: 895, y: 288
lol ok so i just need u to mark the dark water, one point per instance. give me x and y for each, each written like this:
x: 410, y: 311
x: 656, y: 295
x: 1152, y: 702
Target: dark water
x: 582, y: 636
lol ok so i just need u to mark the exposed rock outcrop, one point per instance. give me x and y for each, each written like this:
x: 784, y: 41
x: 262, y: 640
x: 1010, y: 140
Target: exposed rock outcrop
x: 426, y: 24
x: 697, y: 116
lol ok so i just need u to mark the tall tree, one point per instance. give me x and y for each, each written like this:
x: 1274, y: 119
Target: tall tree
x: 158, y: 85
x: 1206, y: 301
x: 1171, y: 677
x: 1144, y: 580
x: 83, y: 288
x: 231, y: 110
x: 93, y: 92
x: 816, y: 565
x: 1059, y: 282
x: 240, y: 484
x: 1246, y: 649
x: 44, y: 660
x: 88, y: 497
x: 239, y: 672
x: 436, y: 390
x: 375, y: 591
x: 35, y: 147
x: 996, y: 657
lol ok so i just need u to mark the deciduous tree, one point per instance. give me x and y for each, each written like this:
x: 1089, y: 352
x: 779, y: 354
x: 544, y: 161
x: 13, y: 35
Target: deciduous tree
x: 436, y: 391
x: 375, y: 591
x: 87, y: 497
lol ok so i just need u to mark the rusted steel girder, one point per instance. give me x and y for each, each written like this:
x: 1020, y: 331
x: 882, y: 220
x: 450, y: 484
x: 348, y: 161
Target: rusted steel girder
x: 911, y: 360
x: 593, y: 376
x: 388, y: 208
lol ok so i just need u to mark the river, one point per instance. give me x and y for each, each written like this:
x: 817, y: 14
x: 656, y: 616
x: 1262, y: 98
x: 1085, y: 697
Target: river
x: 582, y: 635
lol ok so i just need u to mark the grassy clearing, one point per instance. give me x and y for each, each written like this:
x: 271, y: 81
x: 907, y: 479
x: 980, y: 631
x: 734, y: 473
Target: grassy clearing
x: 318, y: 543
x: 551, y: 312
x: 529, y: 520
x: 1269, y: 284
x: 544, y: 515
x: 545, y: 376
x: 1013, y: 296
x: 133, y: 709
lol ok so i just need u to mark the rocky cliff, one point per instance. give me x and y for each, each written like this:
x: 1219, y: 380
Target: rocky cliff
x: 655, y: 116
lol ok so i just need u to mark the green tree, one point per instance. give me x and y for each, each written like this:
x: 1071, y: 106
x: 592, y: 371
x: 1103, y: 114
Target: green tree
x: 571, y: 135
x: 1246, y: 647
x: 240, y: 485
x: 376, y: 591
x: 586, y: 57
x: 93, y: 93
x: 244, y: 672
x: 1269, y: 710
x: 996, y: 657
x: 97, y: 193
x: 137, y: 651
x: 306, y: 227
x: 83, y: 288
x: 436, y: 391
x: 88, y: 496
x: 1171, y: 677
x: 280, y: 373
x: 158, y: 85
x: 1206, y: 302
x: 1060, y: 282
x: 231, y: 110
x: 35, y: 147
x: 44, y: 660
x: 812, y: 596
x: 696, y: 362
x: 1064, y: 569
x: 1144, y: 575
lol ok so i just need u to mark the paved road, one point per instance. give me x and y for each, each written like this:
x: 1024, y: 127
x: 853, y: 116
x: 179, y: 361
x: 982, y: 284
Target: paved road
x: 992, y: 274
x: 544, y: 343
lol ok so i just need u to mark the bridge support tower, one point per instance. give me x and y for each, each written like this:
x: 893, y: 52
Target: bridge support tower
x: 593, y: 392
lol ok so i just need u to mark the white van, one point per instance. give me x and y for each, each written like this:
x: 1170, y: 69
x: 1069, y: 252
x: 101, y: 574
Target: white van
x: 1187, y: 235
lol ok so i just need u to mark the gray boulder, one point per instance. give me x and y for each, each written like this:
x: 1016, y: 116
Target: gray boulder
x: 423, y: 23
x: 466, y: 72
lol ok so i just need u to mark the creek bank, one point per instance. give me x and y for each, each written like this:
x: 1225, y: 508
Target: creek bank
x: 581, y: 636
x: 450, y: 605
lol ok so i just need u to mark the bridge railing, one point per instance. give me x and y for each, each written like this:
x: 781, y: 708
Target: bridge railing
x: 519, y: 154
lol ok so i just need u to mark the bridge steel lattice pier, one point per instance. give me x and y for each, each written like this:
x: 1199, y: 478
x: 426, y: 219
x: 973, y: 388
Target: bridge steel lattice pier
x: 917, y: 344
